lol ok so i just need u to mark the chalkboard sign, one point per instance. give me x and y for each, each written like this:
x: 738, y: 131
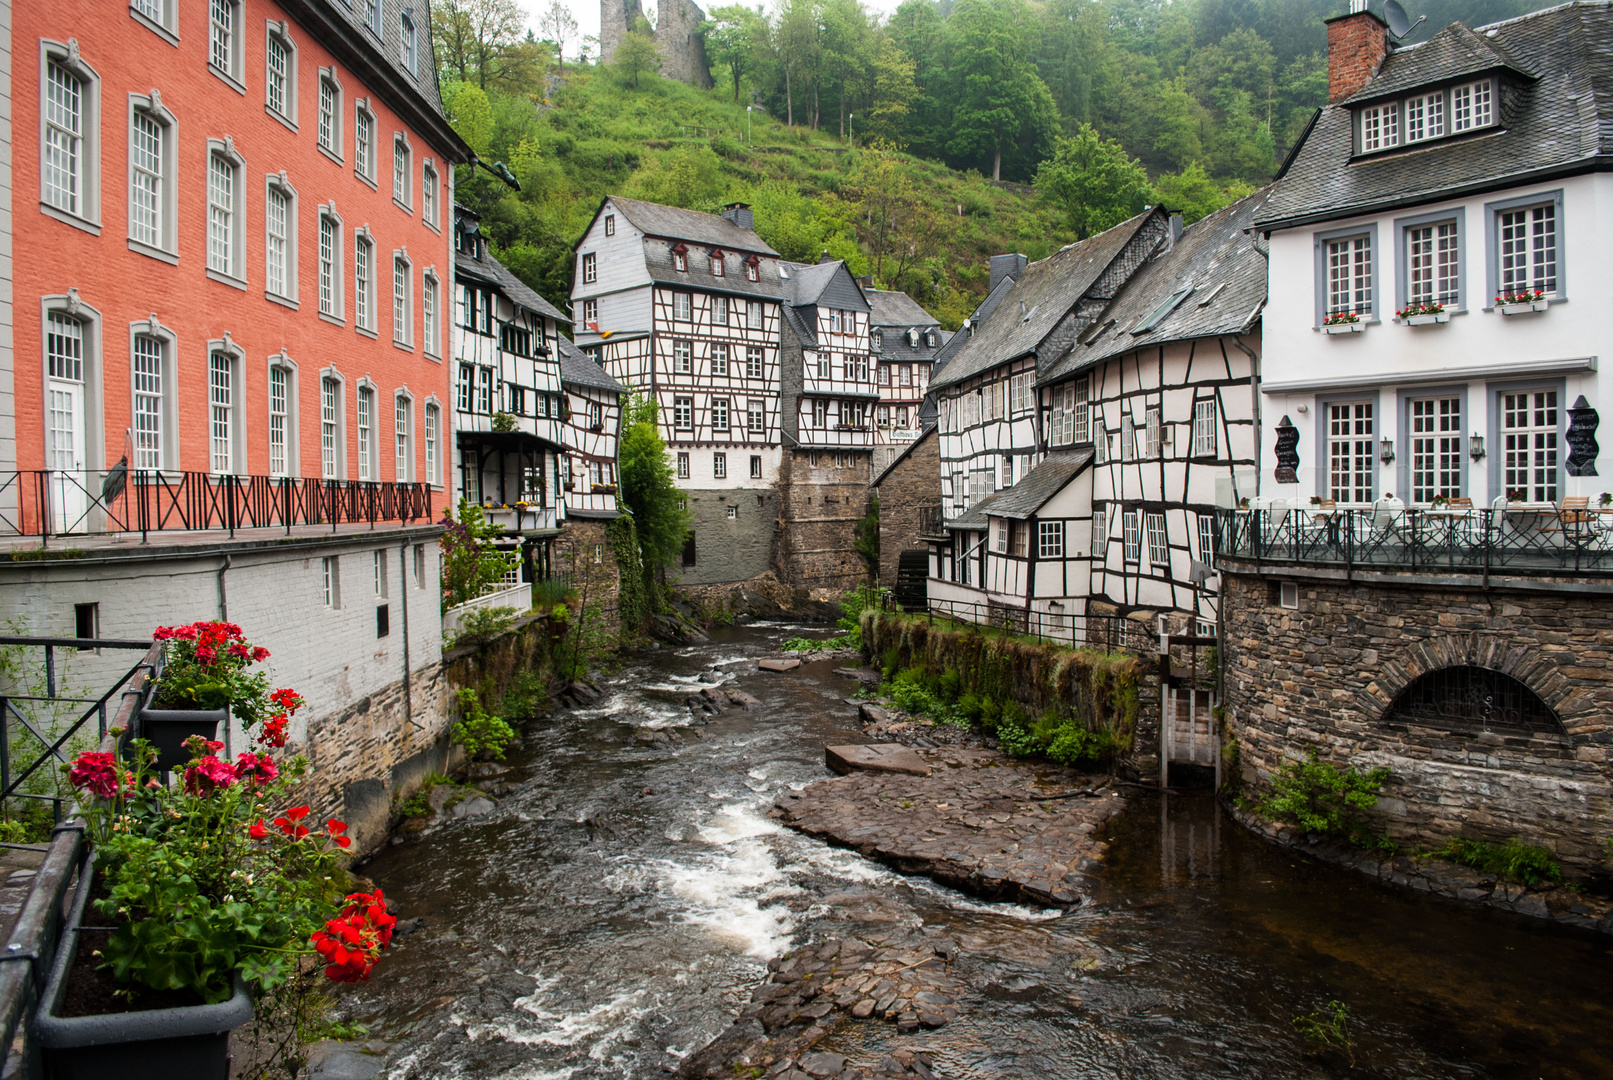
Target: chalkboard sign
x: 1287, y: 452
x: 1582, y: 448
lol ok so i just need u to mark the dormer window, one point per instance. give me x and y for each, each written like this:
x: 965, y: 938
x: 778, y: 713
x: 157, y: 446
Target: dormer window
x: 877, y: 341
x: 753, y: 269
x: 1380, y: 127
x: 1471, y: 106
x: 1426, y: 116
x: 913, y: 338
x: 716, y: 264
x: 680, y: 259
x: 929, y: 339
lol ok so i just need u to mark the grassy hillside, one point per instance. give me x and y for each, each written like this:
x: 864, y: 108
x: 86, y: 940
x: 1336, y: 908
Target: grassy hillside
x: 915, y: 224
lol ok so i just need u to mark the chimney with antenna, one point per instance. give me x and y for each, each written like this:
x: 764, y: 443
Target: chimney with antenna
x: 1356, y: 46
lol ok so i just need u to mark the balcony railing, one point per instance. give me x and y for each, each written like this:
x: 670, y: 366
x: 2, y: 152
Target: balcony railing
x: 53, y: 502
x: 1514, y: 540
x: 931, y: 521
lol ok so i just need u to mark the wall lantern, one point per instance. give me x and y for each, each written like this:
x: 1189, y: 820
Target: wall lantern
x: 1475, y: 446
x: 1386, y: 450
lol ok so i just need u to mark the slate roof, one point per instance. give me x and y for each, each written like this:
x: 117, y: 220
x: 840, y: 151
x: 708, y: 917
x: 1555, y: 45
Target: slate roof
x: 577, y: 368
x: 658, y: 261
x: 924, y: 433
x: 1556, y: 123
x: 493, y: 272
x: 974, y: 518
x: 1214, y: 258
x: 804, y: 327
x: 955, y: 343
x: 1046, y: 480
x: 1037, y: 302
x: 675, y: 223
x: 893, y: 308
x: 823, y: 284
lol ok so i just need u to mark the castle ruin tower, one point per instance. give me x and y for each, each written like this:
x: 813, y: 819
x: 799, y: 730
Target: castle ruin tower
x: 677, y: 37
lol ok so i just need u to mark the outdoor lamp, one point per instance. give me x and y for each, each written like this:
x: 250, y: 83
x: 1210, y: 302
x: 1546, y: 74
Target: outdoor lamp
x: 1475, y: 446
x: 1386, y: 450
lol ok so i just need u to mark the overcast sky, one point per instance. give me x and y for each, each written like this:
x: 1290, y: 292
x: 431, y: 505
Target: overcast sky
x: 587, y: 14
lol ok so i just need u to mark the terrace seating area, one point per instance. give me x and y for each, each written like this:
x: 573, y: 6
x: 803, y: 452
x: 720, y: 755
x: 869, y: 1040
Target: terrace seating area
x: 1515, y: 537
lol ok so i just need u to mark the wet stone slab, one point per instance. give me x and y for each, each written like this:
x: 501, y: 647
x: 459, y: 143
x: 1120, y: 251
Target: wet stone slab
x: 836, y: 981
x: 875, y: 757
x: 980, y: 822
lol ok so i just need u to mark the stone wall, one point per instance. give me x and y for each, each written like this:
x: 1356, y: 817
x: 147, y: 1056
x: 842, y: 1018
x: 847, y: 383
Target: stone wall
x: 682, y: 49
x: 586, y: 549
x: 914, y: 483
x: 819, y: 507
x: 1323, y: 678
x: 730, y: 549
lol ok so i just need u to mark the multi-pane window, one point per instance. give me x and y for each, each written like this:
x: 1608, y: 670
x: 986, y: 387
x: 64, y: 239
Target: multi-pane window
x: 1349, y: 276
x: 820, y: 413
x: 1100, y: 531
x: 279, y: 242
x: 1019, y: 390
x: 64, y: 353
x: 428, y: 195
x: 1528, y: 251
x: 682, y: 307
x: 221, y: 403
x: 428, y: 311
x: 400, y: 428
x: 400, y: 170
x: 1425, y: 117
x: 753, y: 315
x: 411, y: 47
x: 1433, y: 264
x: 147, y: 402
x: 719, y: 359
x: 1349, y: 451
x: 1205, y: 436
x: 279, y: 419
x: 590, y: 268
x: 1159, y: 550
x: 484, y: 390
x: 364, y: 142
x: 1003, y: 526
x: 1436, y: 448
x: 680, y: 258
x: 329, y: 110
x: 1529, y: 441
x: 682, y: 355
x: 719, y: 414
x: 753, y: 362
x: 1131, y: 533
x: 278, y: 63
x: 431, y: 444
x: 719, y: 311
x: 717, y: 264
x: 151, y: 9
x: 1471, y: 106
x: 590, y: 311
x: 610, y: 224
x: 400, y: 301
x: 64, y: 139
x: 146, y: 183
x: 1077, y: 411
x: 719, y: 465
x: 328, y: 405
x: 221, y: 35
x: 366, y: 430
x: 753, y: 269
x: 755, y: 417
x: 683, y: 413
x: 1153, y: 427
x: 1128, y: 437
x: 756, y: 466
x: 1380, y: 127
x: 683, y: 465
x: 327, y: 266
x: 1207, y: 540
x: 1008, y: 471
x: 221, y: 181
x: 1050, y: 539
x: 362, y: 282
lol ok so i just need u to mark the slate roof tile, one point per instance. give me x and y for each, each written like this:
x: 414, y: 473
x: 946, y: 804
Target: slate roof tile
x: 674, y: 222
x: 1046, y: 480
x: 493, y: 272
x: 577, y: 368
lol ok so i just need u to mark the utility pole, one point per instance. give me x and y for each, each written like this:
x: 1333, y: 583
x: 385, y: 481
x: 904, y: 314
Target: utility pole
x: 748, y: 137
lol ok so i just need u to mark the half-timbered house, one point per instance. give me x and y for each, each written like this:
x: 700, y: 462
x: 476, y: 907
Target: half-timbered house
x: 904, y: 338
x: 590, y: 431
x: 507, y: 391
x: 685, y: 307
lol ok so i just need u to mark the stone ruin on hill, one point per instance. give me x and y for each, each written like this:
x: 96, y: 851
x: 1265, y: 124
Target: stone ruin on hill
x: 676, y: 36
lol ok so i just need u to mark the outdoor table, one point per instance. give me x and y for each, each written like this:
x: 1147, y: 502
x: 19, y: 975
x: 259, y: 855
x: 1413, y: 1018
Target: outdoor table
x: 1447, y: 525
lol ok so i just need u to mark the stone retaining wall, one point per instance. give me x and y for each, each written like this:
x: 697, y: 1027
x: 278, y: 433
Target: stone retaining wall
x: 1323, y: 677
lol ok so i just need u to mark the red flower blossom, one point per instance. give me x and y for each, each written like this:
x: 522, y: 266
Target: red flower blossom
x: 96, y: 773
x: 334, y: 829
x: 259, y: 768
x: 259, y: 653
x: 351, y: 943
x: 207, y: 775
x: 239, y: 651
x: 258, y: 831
x: 274, y: 731
x: 287, y: 699
x: 289, y: 823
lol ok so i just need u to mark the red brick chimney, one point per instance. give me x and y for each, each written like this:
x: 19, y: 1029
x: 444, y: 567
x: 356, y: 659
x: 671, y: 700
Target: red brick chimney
x: 1356, y: 46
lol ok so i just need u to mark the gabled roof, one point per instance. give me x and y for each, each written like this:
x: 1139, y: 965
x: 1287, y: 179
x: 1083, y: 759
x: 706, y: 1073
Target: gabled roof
x: 826, y: 284
x: 1047, y: 479
x: 1214, y: 275
x: 577, y: 368
x: 928, y: 431
x: 675, y: 223
x: 805, y: 328
x: 893, y: 308
x: 955, y: 343
x: 489, y: 270
x: 1038, y: 302
x: 974, y: 518
x: 1556, y: 123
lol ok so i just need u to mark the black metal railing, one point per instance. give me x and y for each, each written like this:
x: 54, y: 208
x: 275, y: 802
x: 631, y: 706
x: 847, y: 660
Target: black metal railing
x: 54, y: 502
x: 1107, y: 633
x: 1514, y: 540
x: 931, y: 521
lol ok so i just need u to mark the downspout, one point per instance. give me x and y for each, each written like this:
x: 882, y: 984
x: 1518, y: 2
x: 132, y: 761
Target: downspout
x: 403, y: 605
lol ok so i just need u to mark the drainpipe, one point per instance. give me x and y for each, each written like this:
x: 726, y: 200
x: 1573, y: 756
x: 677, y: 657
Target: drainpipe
x: 403, y: 607
x: 224, y: 616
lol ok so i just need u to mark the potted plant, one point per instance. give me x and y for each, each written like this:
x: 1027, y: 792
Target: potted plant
x: 1423, y: 314
x: 503, y: 421
x: 1343, y: 322
x: 203, y: 906
x: 1521, y: 302
x: 203, y: 682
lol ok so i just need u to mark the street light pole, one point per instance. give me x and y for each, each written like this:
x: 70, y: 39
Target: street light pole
x: 748, y: 137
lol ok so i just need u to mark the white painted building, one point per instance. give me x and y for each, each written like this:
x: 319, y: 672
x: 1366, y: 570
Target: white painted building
x: 904, y: 339
x: 1446, y: 214
x: 591, y: 434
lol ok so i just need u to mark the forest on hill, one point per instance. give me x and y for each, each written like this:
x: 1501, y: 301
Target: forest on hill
x: 877, y: 138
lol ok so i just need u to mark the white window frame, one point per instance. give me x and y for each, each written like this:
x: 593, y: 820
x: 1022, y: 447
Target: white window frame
x: 1100, y: 533
x: 167, y: 415
x: 756, y: 466
x: 1131, y: 532
x: 230, y: 457
x: 590, y: 267
x: 1533, y: 448
x: 431, y: 312
x: 1159, y: 546
x: 1379, y: 127
x: 1207, y: 540
x: 402, y: 300
x: 429, y: 195
x: 682, y: 307
x: 1472, y: 106
x: 164, y: 244
x: 329, y: 136
x: 1435, y: 443
x: 1357, y: 272
x: 331, y: 575
x: 290, y: 463
x: 755, y: 362
x: 331, y: 281
x: 365, y: 149
x: 683, y: 414
x: 683, y: 464
x: 161, y: 17
x: 431, y: 430
x: 719, y: 358
x: 755, y: 416
x: 1350, y: 432
x: 1424, y: 117
x: 1443, y: 271
x: 409, y: 43
x: 1206, y: 433
x: 1050, y: 539
x: 403, y: 437
x: 719, y: 414
x: 1154, y: 430
x: 402, y: 172
x: 365, y: 430
x: 332, y: 425
x: 719, y: 466
x: 364, y: 320
x: 286, y: 113
x: 226, y: 57
x: 1496, y: 244
x: 278, y: 184
x: 85, y: 211
x: 226, y: 236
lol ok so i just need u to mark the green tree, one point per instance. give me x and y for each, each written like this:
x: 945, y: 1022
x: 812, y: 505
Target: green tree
x: 480, y: 41
x: 470, y: 561
x: 1002, y: 107
x: 637, y: 54
x: 731, y: 36
x: 558, y: 26
x: 469, y: 113
x: 686, y: 176
x: 648, y: 490
x: 1093, y: 182
x: 1194, y: 195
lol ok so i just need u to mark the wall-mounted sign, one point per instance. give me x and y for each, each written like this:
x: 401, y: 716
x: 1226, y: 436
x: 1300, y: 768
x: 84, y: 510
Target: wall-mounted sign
x: 1582, y: 448
x: 1287, y: 452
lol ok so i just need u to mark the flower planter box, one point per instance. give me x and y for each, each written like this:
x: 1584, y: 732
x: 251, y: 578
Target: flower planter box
x: 157, y: 1044
x: 1428, y: 320
x: 1522, y: 309
x: 1345, y: 328
x: 167, y: 729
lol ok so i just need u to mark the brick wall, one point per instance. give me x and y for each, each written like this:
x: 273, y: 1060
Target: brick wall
x: 914, y: 483
x: 819, y: 507
x: 1356, y: 46
x: 1323, y: 678
x: 585, y: 548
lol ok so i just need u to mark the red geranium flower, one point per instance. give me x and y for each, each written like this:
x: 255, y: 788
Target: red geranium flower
x: 274, y: 731
x: 258, y: 831
x: 96, y: 773
x: 259, y: 653
x: 334, y: 829
x: 259, y: 768
x: 351, y: 943
x: 207, y: 775
x: 289, y: 823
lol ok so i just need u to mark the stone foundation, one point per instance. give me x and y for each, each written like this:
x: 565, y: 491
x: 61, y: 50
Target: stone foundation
x: 1323, y: 677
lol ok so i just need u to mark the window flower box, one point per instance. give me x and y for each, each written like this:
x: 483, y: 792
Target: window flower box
x: 1341, y: 327
x: 1423, y: 314
x: 1522, y: 307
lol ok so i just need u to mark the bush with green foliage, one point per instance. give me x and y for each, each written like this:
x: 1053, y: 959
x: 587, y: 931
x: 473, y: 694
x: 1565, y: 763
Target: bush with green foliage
x: 482, y: 625
x: 808, y: 645
x: 650, y: 493
x: 470, y: 561
x: 479, y: 731
x: 1328, y: 1028
x: 852, y: 606
x: 1322, y: 798
x: 1514, y: 860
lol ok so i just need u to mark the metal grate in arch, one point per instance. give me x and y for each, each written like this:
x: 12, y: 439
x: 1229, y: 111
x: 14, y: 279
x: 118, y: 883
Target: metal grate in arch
x: 1473, y: 699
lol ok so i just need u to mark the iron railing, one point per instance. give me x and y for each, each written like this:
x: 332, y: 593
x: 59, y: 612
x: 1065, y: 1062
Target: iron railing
x: 1515, y: 540
x: 54, y: 502
x: 1109, y: 633
x: 931, y: 521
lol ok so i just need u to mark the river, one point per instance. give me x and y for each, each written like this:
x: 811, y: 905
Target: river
x: 617, y: 908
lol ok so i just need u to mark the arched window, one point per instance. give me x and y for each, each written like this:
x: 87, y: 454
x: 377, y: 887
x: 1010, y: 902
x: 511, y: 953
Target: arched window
x: 1472, y: 700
